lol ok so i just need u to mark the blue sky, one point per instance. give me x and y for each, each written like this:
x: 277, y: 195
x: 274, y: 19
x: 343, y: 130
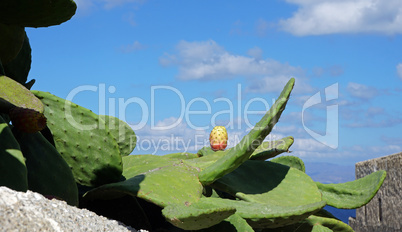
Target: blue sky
x: 174, y: 69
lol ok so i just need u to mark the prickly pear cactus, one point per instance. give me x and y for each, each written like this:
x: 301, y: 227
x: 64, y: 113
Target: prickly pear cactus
x: 244, y: 149
x: 48, y: 173
x: 18, y: 68
x: 13, y: 171
x: 353, y: 194
x: 37, y: 13
x: 236, y: 189
x: 122, y: 133
x: 146, y: 173
x: 14, y: 94
x: 84, y: 141
x: 11, y: 40
x: 213, y: 190
x: 291, y: 161
x: 270, y: 149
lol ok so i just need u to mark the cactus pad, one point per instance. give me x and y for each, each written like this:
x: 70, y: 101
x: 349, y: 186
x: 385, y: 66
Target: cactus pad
x: 123, y: 134
x: 159, y: 185
x: 36, y: 13
x: 291, y: 161
x: 11, y: 40
x: 257, y: 215
x: 182, y: 155
x: 352, y: 194
x: 271, y: 149
x: 270, y: 183
x: 48, y: 173
x: 13, y: 94
x: 315, y: 224
x: 13, y: 172
x: 19, y: 67
x: 199, y: 215
x: 91, y: 152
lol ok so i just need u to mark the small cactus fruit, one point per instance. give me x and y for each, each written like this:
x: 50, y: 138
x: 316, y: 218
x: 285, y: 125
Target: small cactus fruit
x: 218, y: 138
x: 27, y: 120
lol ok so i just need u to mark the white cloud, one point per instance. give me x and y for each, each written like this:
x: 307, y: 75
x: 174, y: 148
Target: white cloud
x: 399, y: 70
x: 87, y: 5
x: 262, y: 27
x: 375, y: 111
x: 255, y: 52
x: 84, y: 6
x: 275, y: 83
x: 206, y: 60
x: 317, y: 17
x: 361, y: 91
x: 108, y: 4
x: 135, y: 46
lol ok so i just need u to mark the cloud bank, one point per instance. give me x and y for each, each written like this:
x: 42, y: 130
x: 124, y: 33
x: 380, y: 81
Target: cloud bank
x: 319, y: 17
x: 207, y: 60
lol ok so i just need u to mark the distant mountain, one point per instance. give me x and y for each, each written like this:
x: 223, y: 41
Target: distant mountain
x: 330, y: 173
x: 333, y: 173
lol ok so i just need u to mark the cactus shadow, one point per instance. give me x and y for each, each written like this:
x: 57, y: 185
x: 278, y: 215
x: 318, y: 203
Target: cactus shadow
x: 254, y: 177
x: 106, y: 175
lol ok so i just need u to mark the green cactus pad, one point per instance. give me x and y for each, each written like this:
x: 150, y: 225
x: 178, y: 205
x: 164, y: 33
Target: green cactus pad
x: 196, y: 216
x: 90, y: 150
x: 169, y: 183
x: 13, y: 172
x: 257, y: 215
x: 123, y: 134
x: 137, y: 164
x: 330, y: 223
x: 182, y: 155
x: 36, y: 13
x: 270, y: 183
x: 19, y: 67
x: 48, y: 173
x: 320, y: 228
x: 13, y: 94
x: 11, y: 40
x: 233, y: 223
x: 353, y: 194
x: 2, y: 72
x: 271, y: 149
x: 205, y: 151
x: 291, y: 161
x: 239, y: 223
x: 315, y: 223
x: 206, y: 160
x: 242, y: 151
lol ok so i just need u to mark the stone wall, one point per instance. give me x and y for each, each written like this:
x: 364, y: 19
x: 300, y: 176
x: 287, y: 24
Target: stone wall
x: 384, y: 212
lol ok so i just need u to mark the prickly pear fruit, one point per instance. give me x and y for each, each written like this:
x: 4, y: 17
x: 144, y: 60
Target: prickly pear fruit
x: 218, y: 138
x: 27, y: 120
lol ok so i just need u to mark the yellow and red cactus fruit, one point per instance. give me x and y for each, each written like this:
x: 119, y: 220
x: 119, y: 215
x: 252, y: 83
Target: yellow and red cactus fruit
x: 27, y: 120
x: 218, y: 138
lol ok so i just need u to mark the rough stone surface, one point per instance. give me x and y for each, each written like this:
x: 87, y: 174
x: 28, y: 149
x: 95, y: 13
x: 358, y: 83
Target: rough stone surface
x: 384, y: 211
x: 32, y: 212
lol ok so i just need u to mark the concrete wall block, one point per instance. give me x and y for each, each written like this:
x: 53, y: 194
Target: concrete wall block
x: 384, y: 211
